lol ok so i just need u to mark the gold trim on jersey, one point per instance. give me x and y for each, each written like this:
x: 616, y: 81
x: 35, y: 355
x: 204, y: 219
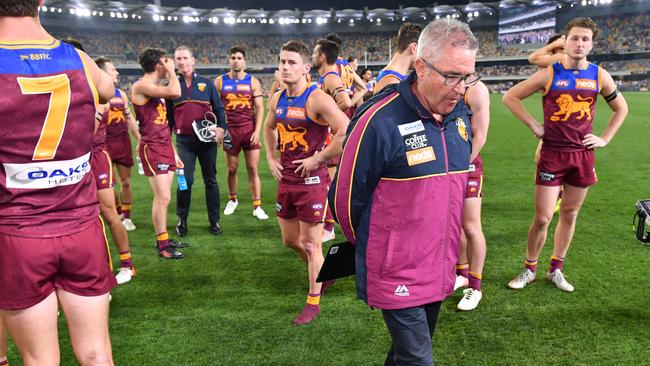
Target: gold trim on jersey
x: 40, y: 44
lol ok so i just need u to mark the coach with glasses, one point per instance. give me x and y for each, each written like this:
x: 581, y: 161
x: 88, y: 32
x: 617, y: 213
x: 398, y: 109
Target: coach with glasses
x: 199, y: 101
x: 413, y: 137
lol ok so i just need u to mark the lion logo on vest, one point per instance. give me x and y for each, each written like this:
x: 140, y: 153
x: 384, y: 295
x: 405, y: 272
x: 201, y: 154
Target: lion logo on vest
x: 569, y: 106
x: 462, y: 128
x: 292, y: 136
x: 162, y: 114
x: 237, y: 101
x: 115, y: 116
x: 201, y: 86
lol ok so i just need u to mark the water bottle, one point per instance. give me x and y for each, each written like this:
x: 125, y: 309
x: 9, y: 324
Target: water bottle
x: 182, y: 182
x: 140, y: 168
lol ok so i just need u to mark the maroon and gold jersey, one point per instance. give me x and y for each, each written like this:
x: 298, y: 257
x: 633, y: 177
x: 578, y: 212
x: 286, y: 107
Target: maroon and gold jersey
x: 569, y: 106
x: 152, y: 116
x: 47, y: 104
x: 237, y: 98
x: 300, y: 136
x: 115, y: 117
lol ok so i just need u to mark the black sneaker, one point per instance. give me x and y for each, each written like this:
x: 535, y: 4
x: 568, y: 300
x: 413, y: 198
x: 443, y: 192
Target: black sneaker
x: 181, y: 228
x: 169, y: 252
x: 178, y: 244
x: 215, y: 229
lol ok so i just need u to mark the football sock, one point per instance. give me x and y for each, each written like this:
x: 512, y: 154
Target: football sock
x: 232, y: 197
x: 257, y: 203
x: 475, y: 281
x: 531, y: 264
x: 462, y: 269
x: 126, y: 210
x: 125, y: 259
x: 556, y: 263
x: 162, y: 240
x: 313, y: 299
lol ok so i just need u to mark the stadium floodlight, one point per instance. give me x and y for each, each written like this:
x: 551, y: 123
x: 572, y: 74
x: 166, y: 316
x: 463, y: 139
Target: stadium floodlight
x: 271, y: 21
x: 155, y: 17
x: 378, y: 20
x: 112, y: 15
x: 101, y: 13
x: 73, y: 11
x: 60, y: 10
x: 44, y: 8
x: 475, y: 13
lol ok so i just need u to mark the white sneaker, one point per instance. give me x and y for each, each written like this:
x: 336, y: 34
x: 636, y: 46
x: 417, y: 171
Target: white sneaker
x: 124, y: 275
x: 327, y: 235
x: 470, y: 300
x: 461, y: 281
x: 259, y: 213
x: 524, y: 278
x: 128, y: 224
x: 557, y: 277
x: 230, y: 207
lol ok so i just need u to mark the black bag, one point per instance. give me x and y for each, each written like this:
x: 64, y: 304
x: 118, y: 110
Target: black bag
x: 339, y: 262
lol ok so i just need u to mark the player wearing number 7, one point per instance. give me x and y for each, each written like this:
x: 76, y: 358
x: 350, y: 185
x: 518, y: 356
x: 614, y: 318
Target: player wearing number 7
x: 52, y: 240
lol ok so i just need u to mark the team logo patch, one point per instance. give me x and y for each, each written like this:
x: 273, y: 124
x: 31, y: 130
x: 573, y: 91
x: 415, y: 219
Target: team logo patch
x: 420, y: 156
x: 472, y: 183
x: 235, y: 101
x: 46, y: 174
x: 278, y: 111
x: 409, y: 128
x: 569, y: 106
x: 163, y: 167
x: 562, y: 83
x: 296, y: 113
x: 588, y: 84
x: 316, y: 213
x: 546, y: 176
x: 317, y: 206
x: 244, y: 87
x: 228, y: 87
x: 462, y: 128
x: 103, y: 176
x: 293, y: 136
x: 201, y: 86
x: 472, y: 168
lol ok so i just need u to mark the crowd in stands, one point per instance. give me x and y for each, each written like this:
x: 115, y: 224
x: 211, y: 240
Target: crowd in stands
x: 618, y: 33
x: 534, y: 36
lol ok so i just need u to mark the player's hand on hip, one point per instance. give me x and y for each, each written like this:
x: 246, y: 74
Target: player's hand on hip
x: 538, y: 130
x: 592, y: 141
x: 276, y: 169
x: 306, y: 166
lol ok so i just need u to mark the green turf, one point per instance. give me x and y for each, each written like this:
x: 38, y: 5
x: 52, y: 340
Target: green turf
x: 231, y: 300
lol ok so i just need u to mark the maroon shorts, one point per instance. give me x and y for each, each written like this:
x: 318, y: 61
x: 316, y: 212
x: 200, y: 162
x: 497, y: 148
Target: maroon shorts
x: 120, y: 150
x: 307, y: 203
x: 157, y: 159
x: 241, y: 139
x: 474, y: 182
x: 32, y: 268
x: 102, y: 168
x: 576, y: 168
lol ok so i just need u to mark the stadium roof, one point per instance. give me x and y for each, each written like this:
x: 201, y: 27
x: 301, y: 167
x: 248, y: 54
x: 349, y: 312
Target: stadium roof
x: 196, y: 12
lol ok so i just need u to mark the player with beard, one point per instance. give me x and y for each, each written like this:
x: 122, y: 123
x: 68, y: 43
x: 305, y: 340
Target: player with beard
x: 241, y: 94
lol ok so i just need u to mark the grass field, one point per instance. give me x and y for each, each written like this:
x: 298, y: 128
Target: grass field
x: 231, y: 300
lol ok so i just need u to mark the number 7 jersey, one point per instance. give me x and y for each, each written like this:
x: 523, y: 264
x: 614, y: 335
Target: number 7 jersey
x: 47, y: 121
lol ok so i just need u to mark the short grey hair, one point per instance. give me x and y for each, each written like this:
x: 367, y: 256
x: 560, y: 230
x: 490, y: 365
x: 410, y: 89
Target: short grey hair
x: 445, y: 32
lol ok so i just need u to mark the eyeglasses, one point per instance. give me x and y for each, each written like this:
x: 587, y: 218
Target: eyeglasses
x: 454, y: 79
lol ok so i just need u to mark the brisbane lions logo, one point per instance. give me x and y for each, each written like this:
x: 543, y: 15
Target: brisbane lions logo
x: 292, y: 136
x: 569, y: 106
x: 161, y: 119
x: 237, y: 101
x: 115, y: 115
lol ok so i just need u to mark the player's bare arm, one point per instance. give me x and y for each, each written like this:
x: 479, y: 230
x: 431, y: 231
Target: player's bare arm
x: 359, y: 90
x: 217, y: 84
x: 103, y: 82
x: 258, y: 103
x: 334, y: 87
x: 270, y: 139
x: 513, y: 99
x: 618, y: 105
x: 548, y: 54
x: 145, y: 89
x: 131, y: 123
x: 478, y: 98
x: 324, y: 108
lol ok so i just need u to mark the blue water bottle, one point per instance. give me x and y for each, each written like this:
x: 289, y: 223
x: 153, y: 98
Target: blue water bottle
x: 182, y: 182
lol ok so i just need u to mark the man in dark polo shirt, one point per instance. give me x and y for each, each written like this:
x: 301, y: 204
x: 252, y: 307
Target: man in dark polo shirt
x: 199, y: 101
